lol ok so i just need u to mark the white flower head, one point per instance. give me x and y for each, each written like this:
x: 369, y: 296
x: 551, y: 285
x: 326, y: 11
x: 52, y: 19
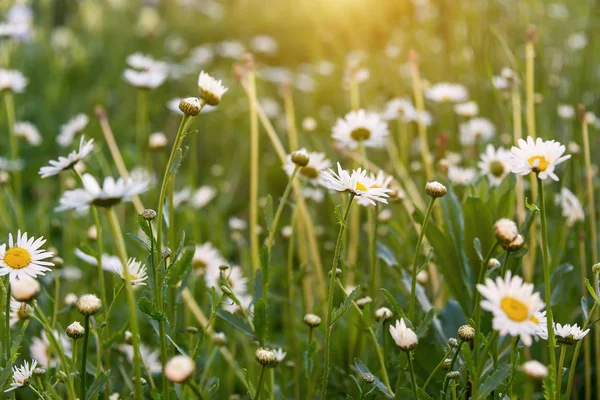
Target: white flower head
x: 447, y: 93
x: 137, y: 271
x: 381, y: 181
x: 513, y: 305
x: 18, y: 311
x: 29, y: 132
x: 495, y: 164
x: 359, y: 127
x: 280, y: 354
x: 476, y: 130
x: 40, y: 349
x: 541, y: 320
x: 538, y: 156
x: 469, y: 109
x: 12, y: 80
x: 68, y: 162
x: 179, y: 368
x: 398, y: 108
x: 569, y: 334
x: 148, y: 79
x: 535, y: 370
x: 311, y: 172
x: 461, y: 176
x: 71, y: 129
x: 236, y: 281
x: 207, y: 258
x: 23, y: 257
x: 211, y: 89
x: 202, y: 196
x: 21, y: 375
x: 405, y: 338
x: 572, y: 210
x: 565, y: 111
x: 109, y: 194
x: 357, y: 183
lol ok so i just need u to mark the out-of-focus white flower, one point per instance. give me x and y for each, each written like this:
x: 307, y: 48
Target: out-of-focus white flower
x: 572, y: 210
x: 495, y: 164
x: 231, y: 49
x: 29, y: 132
x: 565, y: 111
x: 398, y: 108
x: 469, y: 109
x: 65, y: 163
x: 71, y: 129
x: 476, y: 129
x: 577, y: 41
x: 447, y: 92
x: 149, y: 79
x: 264, y: 44
x: 21, y: 375
x: 312, y: 171
x: 460, y: 175
x: 404, y: 337
x: 12, y: 80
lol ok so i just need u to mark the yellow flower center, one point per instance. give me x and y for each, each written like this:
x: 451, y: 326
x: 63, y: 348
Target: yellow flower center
x: 539, y: 163
x: 360, y: 186
x: 535, y: 320
x: 17, y: 258
x: 360, y: 134
x: 514, y: 309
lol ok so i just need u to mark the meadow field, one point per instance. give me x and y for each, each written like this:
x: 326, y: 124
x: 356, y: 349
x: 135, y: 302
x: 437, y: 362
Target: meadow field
x: 310, y: 199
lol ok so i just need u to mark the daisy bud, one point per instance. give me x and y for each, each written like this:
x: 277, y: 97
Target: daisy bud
x: 265, y: 357
x: 157, y: 141
x: 506, y: 230
x: 149, y: 214
x: 338, y: 273
x: 435, y: 189
x: 452, y: 375
x: 128, y: 337
x: 535, y: 370
x: 596, y: 268
x: 312, y: 320
x: 39, y: 371
x: 364, y: 301
x: 515, y: 245
x: 24, y: 289
x: 70, y: 299
x: 466, y: 333
x: 75, y: 331
x: 368, y: 378
x: 190, y: 106
x: 88, y: 304
x: 383, y: 313
x: 192, y: 330
x: 406, y: 339
x: 92, y: 233
x: 179, y: 368
x: 211, y: 89
x: 532, y: 34
x: 300, y: 158
x: 226, y: 290
x: 219, y: 339
x: 4, y: 178
x: 493, y: 263
x: 452, y: 342
x: 446, y: 363
x: 166, y: 252
x: 61, y: 376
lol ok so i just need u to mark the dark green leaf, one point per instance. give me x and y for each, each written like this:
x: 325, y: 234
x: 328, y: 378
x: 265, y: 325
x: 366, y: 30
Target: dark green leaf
x: 236, y: 322
x: 142, y: 244
x: 386, y: 254
x: 180, y: 266
x: 493, y: 381
x: 339, y: 311
x: 269, y: 212
x: 176, y: 161
x: 144, y: 226
x: 422, y: 330
x: 260, y: 320
x: 393, y: 303
x: 97, y: 384
x: 363, y: 369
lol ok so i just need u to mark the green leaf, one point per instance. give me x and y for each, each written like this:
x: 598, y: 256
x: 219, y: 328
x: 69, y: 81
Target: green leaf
x: 386, y: 254
x: 422, y: 395
x: 584, y: 308
x: 98, y: 384
x: 269, y: 212
x: 531, y: 206
x: 144, y: 225
x: 180, y: 266
x: 493, y: 381
x: 363, y: 369
x: 477, y: 247
x: 176, y: 161
x: 260, y: 320
x: 592, y: 291
x: 422, y: 330
x: 236, y: 322
x: 264, y: 263
x: 146, y: 306
x: 393, y: 303
x: 430, y: 254
x: 479, y: 225
x: 339, y: 311
x: 142, y: 244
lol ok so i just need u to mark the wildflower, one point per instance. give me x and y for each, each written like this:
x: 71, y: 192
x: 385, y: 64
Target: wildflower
x: 506, y: 230
x: 264, y: 44
x: 24, y: 257
x: 535, y: 370
x: 21, y: 375
x: 495, y: 164
x: 572, y: 209
x: 202, y: 196
x: 452, y: 342
x: 513, y: 305
x: 357, y: 183
x: 515, y: 245
x: 539, y: 156
x: 70, y: 299
x: 398, y: 108
x: 309, y: 124
x: 453, y: 375
x: 476, y: 130
x: 364, y: 301
x: 300, y: 158
x: 540, y: 319
x: 237, y: 283
x: 405, y: 338
x: 149, y: 214
x: 312, y: 320
x: 569, y: 334
x: 280, y: 355
x: 211, y: 89
x: 12, y: 80
x: 446, y: 93
x: 360, y: 127
x: 219, y: 339
x: 493, y: 263
x: 148, y: 79
x: 137, y: 271
x: 311, y: 172
x: 469, y: 109
x: 157, y: 141
x: 381, y: 181
x: 179, y: 368
x: 29, y: 132
x: 435, y: 189
x: 461, y: 176
x: 111, y: 193
x: 40, y: 349
x: 565, y: 111
x: 18, y: 311
x: 265, y: 357
x: 25, y: 288
x: 75, y: 331
x: 206, y: 257
x: 65, y: 163
x: 71, y: 129
x: 383, y: 313
x: 368, y: 378
x: 466, y: 333
x: 190, y: 106
x: 88, y: 304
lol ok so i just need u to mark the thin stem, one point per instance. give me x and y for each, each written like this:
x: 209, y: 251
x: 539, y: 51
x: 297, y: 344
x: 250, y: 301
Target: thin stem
x: 437, y: 367
x: 415, y: 266
x: 84, y: 357
x: 546, y: 266
x: 13, y: 141
x: 141, y: 120
x: 7, y: 323
x: 133, y: 320
x: 504, y: 264
x: 450, y: 368
x: 578, y: 347
x: 513, y: 369
x: 413, y: 379
x: 332, y: 280
x: 254, y: 162
x: 372, y: 218
x: 282, y: 202
x: 196, y: 390
x: 559, y: 373
x: 420, y: 105
x: 260, y: 382
x: 56, y: 299
x: 34, y: 390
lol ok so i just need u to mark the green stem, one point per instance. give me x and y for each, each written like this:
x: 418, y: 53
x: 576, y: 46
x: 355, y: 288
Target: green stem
x: 481, y: 362
x: 133, y: 320
x: 38, y: 394
x: 372, y: 219
x: 450, y: 368
x: 413, y: 379
x: 504, y: 265
x: 196, y: 390
x: 559, y: 374
x: 332, y: 280
x: 513, y: 359
x: 84, y: 357
x: 547, y: 286
x: 437, y: 367
x: 578, y: 347
x: 56, y: 299
x: 284, y: 198
x: 13, y: 141
x: 141, y: 120
x: 260, y: 382
x: 7, y: 323
x: 415, y: 266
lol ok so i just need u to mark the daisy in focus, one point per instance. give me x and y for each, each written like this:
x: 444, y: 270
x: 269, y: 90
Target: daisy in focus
x: 357, y: 183
x: 539, y: 156
x: 513, y: 305
x: 495, y: 164
x: 23, y: 257
x: 360, y: 127
x: 312, y: 171
x: 211, y: 89
x: 109, y: 194
x: 21, y: 375
x: 569, y: 334
x: 382, y: 180
x: 68, y: 162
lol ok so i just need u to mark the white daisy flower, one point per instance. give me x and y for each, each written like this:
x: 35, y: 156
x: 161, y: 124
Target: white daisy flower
x: 207, y: 258
x: 461, y: 176
x: 404, y: 337
x: 201, y: 55
x: 68, y: 162
x: 539, y: 156
x: 541, y: 320
x: 500, y: 82
x: 148, y: 80
x: 280, y: 354
x: 382, y: 181
x: 29, y: 132
x: 572, y: 209
x: 231, y: 49
x: 12, y: 80
x: 565, y: 111
x: 264, y: 44
x: 413, y: 115
x: 398, y: 108
x: 109, y: 194
x: 24, y: 257
x: 202, y: 196
x: 513, y: 305
x: 144, y: 62
x: 237, y: 282
x: 569, y: 334
x: 109, y: 262
x: 447, y: 92
x: 237, y: 224
x: 476, y: 130
x: 309, y: 124
x: 211, y: 89
x: 150, y: 358
x: 312, y: 171
x: 495, y: 164
x: 469, y: 109
x: 18, y: 311
x: 71, y: 129
x: 360, y: 127
x: 535, y: 370
x: 316, y: 195
x: 21, y: 375
x: 137, y: 271
x: 357, y: 183
x: 40, y: 349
